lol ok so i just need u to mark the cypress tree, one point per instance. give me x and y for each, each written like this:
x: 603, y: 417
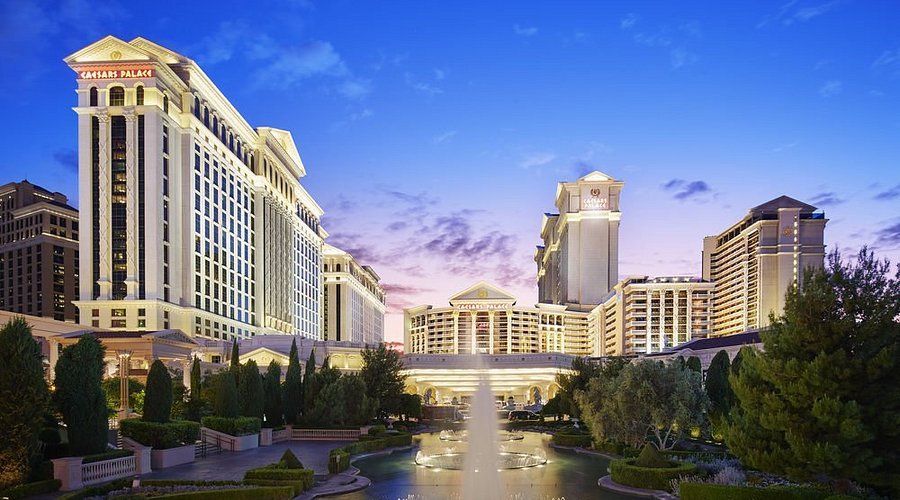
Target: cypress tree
x: 79, y: 395
x: 718, y: 389
x: 226, y: 396
x: 235, y: 366
x: 822, y: 398
x: 693, y: 363
x: 250, y: 391
x: 195, y: 379
x: 272, y: 389
x: 293, y: 389
x: 309, y: 389
x: 24, y: 400
x: 158, y: 395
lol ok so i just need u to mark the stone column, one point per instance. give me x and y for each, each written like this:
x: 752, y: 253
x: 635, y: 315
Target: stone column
x: 473, y: 315
x: 131, y: 204
x: 455, y: 332
x: 509, y: 335
x: 105, y: 198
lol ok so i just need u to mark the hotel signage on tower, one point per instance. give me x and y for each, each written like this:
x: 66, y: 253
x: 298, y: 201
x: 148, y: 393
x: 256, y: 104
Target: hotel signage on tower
x: 112, y: 74
x: 595, y: 201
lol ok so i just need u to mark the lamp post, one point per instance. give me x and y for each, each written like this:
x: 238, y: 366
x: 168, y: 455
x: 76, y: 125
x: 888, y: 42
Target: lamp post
x: 124, y: 368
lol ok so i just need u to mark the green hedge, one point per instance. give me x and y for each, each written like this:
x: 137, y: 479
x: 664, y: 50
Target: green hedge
x: 339, y: 458
x: 255, y: 493
x: 625, y: 472
x: 107, y: 455
x: 160, y: 436
x: 264, y: 492
x: 582, y: 440
x: 707, y: 491
x: 31, y: 489
x: 240, y: 426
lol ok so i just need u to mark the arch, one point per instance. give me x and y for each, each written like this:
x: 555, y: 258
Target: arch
x: 536, y: 395
x: 165, y: 104
x: 116, y: 96
x: 93, y: 96
x: 215, y: 127
x: 139, y: 95
x: 206, y: 117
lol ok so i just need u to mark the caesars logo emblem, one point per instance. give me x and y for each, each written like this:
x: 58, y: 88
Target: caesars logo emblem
x: 482, y: 294
x: 595, y: 192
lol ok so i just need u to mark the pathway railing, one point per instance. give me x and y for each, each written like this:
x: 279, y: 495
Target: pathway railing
x: 107, y: 470
x: 281, y: 435
x: 325, y: 434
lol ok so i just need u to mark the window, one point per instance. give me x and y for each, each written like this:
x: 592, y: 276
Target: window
x: 117, y: 323
x: 140, y: 96
x: 197, y: 107
x: 93, y: 94
x: 165, y: 104
x: 117, y: 96
x: 118, y: 313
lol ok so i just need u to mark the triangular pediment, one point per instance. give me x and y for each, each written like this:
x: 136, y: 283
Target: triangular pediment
x: 596, y: 176
x: 174, y: 335
x: 108, y: 49
x: 783, y: 202
x: 483, y: 291
x: 163, y: 54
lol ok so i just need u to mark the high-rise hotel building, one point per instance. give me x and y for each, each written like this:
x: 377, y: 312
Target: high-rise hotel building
x: 755, y: 262
x: 38, y: 252
x: 354, y: 299
x: 191, y: 218
x: 578, y: 262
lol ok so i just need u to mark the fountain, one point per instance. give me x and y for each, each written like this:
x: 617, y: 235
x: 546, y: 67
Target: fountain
x: 481, y: 477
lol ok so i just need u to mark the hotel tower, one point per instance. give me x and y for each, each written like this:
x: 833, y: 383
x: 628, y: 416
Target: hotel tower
x: 190, y: 218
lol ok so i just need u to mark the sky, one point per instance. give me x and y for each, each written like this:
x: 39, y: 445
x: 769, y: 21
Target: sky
x: 434, y: 133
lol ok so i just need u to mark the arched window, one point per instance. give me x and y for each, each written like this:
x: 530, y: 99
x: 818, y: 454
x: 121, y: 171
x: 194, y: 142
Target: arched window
x: 139, y: 93
x: 216, y: 125
x: 165, y: 104
x: 231, y: 142
x: 93, y: 98
x: 117, y: 96
x: 206, y: 117
x: 223, y: 134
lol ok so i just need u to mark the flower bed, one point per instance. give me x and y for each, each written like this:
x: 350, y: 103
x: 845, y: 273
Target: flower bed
x: 240, y: 426
x: 160, y: 436
x: 339, y: 458
x: 654, y: 478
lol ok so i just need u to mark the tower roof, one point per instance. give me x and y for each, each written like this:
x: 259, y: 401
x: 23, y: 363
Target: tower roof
x: 782, y: 202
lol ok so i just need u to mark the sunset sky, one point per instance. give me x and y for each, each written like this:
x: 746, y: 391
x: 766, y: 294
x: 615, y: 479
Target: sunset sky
x: 434, y: 133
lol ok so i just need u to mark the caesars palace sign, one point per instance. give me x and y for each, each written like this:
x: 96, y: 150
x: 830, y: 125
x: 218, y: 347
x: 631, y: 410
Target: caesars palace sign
x: 113, y: 74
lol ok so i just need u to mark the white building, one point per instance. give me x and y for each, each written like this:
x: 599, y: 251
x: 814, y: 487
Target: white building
x: 578, y: 262
x: 755, y: 262
x: 191, y: 219
x: 354, y: 300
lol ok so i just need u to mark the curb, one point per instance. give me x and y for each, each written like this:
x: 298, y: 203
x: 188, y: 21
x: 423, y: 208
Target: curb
x: 608, y: 484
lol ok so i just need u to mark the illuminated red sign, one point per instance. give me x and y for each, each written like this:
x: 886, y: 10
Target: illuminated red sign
x: 114, y: 74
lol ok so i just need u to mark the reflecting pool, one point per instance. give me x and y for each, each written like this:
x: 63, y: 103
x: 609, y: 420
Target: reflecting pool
x: 566, y: 475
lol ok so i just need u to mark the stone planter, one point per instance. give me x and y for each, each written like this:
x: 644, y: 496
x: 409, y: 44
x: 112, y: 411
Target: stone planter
x: 160, y: 459
x: 242, y: 443
x: 265, y: 437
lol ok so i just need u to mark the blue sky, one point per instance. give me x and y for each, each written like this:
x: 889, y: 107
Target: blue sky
x: 434, y: 133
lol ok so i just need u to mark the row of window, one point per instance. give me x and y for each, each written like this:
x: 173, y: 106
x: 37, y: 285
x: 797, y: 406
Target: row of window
x: 115, y: 96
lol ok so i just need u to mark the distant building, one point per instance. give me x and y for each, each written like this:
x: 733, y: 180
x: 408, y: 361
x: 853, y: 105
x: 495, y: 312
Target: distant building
x: 755, y: 262
x: 578, y: 262
x: 354, y: 299
x: 706, y: 349
x: 645, y: 315
x: 38, y: 252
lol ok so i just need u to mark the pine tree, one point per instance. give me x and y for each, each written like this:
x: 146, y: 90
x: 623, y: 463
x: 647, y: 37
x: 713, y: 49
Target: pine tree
x: 308, y: 391
x: 822, y: 398
x: 292, y: 390
x: 226, y: 402
x: 24, y: 400
x: 382, y: 371
x: 272, y: 388
x: 718, y: 389
x: 250, y: 391
x: 158, y: 395
x: 79, y: 395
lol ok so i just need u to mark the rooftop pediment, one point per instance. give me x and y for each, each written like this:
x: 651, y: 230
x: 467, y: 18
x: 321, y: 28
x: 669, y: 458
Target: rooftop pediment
x: 108, y: 49
x: 483, y: 291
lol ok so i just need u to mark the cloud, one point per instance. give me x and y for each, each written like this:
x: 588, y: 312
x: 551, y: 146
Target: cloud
x: 400, y: 296
x: 525, y: 30
x: 890, y: 194
x: 296, y: 63
x: 889, y: 235
x: 422, y: 86
x: 68, y: 158
x: 352, y: 243
x: 796, y: 11
x: 442, y: 138
x: 628, y: 21
x: 831, y: 88
x: 674, y: 42
x: 355, y: 89
x: 784, y: 147
x: 538, y: 159
x: 828, y: 199
x: 888, y: 61
x: 685, y: 190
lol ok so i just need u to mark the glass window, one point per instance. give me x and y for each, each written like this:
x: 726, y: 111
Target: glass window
x: 140, y: 95
x: 93, y: 94
x: 165, y: 103
x: 117, y: 96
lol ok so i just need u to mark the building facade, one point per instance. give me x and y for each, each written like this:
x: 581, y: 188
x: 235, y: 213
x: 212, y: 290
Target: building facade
x: 757, y: 260
x: 196, y: 221
x: 645, y: 315
x: 39, y: 234
x: 485, y: 319
x: 578, y: 262
x: 354, y: 300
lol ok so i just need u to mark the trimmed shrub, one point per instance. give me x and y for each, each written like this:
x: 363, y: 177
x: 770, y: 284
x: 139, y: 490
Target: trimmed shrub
x: 251, y: 393
x: 290, y: 460
x: 31, y: 489
x: 655, y: 478
x: 377, y: 429
x: 707, y: 491
x: 256, y: 493
x: 239, y: 426
x: 339, y: 458
x: 160, y: 436
x: 158, y: 395
x: 651, y: 458
x: 338, y: 461
x: 278, y: 474
x: 108, y: 455
x: 79, y: 396
x: 581, y: 440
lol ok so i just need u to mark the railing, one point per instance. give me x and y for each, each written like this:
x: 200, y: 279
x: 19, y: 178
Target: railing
x: 107, y: 470
x: 281, y: 435
x: 219, y: 439
x: 202, y: 449
x: 325, y: 434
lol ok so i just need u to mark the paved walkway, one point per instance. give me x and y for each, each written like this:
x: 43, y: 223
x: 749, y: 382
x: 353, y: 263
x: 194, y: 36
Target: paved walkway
x: 230, y: 466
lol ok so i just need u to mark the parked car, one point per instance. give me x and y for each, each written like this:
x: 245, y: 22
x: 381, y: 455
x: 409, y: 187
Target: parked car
x: 523, y: 415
